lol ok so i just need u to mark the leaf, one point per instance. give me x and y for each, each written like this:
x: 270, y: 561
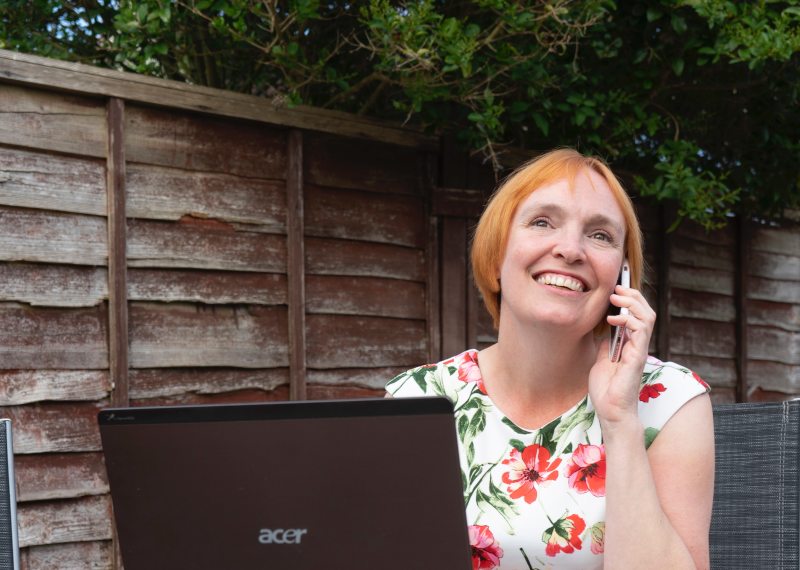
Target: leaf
x: 514, y: 427
x: 541, y: 122
x: 464, y: 483
x: 462, y: 425
x: 578, y: 419
x: 477, y: 424
x: 419, y: 378
x: 546, y: 434
x: 677, y: 65
x: 794, y: 11
x: 470, y: 453
x: 162, y: 48
x: 202, y: 5
x: 517, y: 444
x: 678, y: 23
x: 292, y: 48
x: 649, y: 435
x: 654, y: 14
x: 472, y: 30
x: 504, y: 506
x: 474, y: 472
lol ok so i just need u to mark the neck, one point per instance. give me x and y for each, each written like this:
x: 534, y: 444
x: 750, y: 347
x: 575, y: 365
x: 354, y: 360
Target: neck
x: 537, y: 372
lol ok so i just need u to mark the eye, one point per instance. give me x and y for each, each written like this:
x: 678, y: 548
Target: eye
x: 540, y: 223
x: 602, y: 236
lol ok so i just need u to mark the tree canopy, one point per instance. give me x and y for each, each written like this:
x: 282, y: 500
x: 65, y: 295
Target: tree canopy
x: 697, y: 98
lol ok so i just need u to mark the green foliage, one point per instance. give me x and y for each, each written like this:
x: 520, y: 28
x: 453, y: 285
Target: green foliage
x: 696, y: 98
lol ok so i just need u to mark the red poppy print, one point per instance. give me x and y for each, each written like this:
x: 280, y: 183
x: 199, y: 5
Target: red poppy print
x: 528, y: 470
x: 651, y: 391
x: 702, y: 383
x: 586, y: 470
x: 564, y: 535
x: 486, y: 551
x: 468, y: 370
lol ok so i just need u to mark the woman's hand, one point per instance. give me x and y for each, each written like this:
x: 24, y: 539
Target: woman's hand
x: 614, y: 386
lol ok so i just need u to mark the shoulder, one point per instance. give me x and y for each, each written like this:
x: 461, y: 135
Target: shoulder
x: 665, y: 388
x: 440, y: 379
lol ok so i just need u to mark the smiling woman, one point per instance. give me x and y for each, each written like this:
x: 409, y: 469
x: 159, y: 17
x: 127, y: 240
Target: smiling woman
x: 560, y: 462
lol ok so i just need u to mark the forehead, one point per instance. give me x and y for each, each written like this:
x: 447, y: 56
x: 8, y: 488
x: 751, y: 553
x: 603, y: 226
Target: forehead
x: 584, y: 199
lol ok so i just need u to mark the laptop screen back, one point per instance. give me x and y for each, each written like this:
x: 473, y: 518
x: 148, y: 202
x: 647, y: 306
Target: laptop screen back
x: 313, y: 485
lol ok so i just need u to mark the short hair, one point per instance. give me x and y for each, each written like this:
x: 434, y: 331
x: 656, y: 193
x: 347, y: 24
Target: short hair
x: 491, y: 235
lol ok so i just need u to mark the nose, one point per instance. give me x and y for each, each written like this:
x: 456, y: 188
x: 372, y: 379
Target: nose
x: 569, y: 246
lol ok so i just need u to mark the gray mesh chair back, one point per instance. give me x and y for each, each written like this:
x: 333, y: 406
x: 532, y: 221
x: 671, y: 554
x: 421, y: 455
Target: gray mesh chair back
x: 9, y: 542
x: 755, y: 520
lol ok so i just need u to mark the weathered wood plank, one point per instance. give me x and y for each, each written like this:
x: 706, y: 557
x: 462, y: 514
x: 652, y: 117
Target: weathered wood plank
x: 73, y: 520
x: 774, y: 266
x: 342, y: 392
x: 210, y: 287
x: 72, y: 339
x: 781, y: 315
x: 181, y: 335
x: 782, y: 241
x: 348, y: 214
x: 458, y: 203
x: 698, y: 254
x: 773, y: 290
x: 35, y: 235
x: 34, y: 179
x: 363, y: 259
x: 717, y: 372
x: 769, y: 343
x: 774, y: 376
x: 369, y: 296
x: 454, y: 286
x: 52, y: 121
x: 696, y: 305
x: 724, y: 237
x: 163, y: 382
x: 696, y: 337
x: 53, y: 285
x: 296, y: 272
x: 364, y: 342
x: 369, y: 378
x: 203, y: 244
x: 701, y: 279
x: 27, y: 386
x: 169, y: 194
x: 723, y: 396
x: 197, y: 142
x: 94, y: 555
x: 55, y: 427
x: 362, y: 165
x: 279, y: 394
x: 60, y: 476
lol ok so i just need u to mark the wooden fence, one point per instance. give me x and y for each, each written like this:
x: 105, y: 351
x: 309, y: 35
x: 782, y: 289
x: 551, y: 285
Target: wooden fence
x: 168, y: 244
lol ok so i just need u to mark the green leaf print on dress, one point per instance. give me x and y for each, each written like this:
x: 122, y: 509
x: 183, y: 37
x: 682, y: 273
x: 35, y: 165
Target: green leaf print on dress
x: 497, y: 501
x: 579, y: 419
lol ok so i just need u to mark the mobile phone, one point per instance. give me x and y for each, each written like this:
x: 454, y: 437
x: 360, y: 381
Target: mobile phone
x: 618, y: 333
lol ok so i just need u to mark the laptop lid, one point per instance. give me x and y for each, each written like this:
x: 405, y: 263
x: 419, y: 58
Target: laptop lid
x: 373, y: 483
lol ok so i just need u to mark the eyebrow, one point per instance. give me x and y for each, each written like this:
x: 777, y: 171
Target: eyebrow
x: 594, y: 220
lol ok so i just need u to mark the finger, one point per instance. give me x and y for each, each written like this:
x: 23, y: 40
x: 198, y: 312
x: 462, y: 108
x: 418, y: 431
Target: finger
x: 631, y: 292
x: 629, y: 321
x: 642, y: 312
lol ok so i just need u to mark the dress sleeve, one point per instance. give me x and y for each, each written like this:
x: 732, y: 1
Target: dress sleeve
x: 665, y: 388
x: 414, y: 382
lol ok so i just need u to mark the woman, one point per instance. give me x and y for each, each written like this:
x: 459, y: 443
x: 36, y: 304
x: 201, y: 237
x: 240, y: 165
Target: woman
x: 570, y: 460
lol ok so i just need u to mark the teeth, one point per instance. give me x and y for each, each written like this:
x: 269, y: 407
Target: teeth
x: 560, y: 281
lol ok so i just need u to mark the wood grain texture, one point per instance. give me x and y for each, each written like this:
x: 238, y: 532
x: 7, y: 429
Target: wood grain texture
x: 53, y: 285
x: 696, y: 337
x: 759, y: 395
x: 459, y: 203
x: 701, y: 279
x: 55, y: 426
x: 723, y: 237
x: 774, y: 265
x: 722, y: 396
x: 781, y: 315
x: 279, y: 394
x: 203, y: 245
x: 363, y: 259
x: 342, y: 392
x: 454, y: 286
x: 775, y: 376
x: 368, y: 296
x: 348, y: 214
x: 35, y: 179
x: 340, y: 162
x: 694, y: 253
x: 696, y: 305
x: 75, y: 339
x: 63, y: 75
x: 782, y: 241
x: 184, y: 335
x: 92, y: 555
x: 339, y: 341
x: 170, y: 193
x: 35, y: 235
x: 433, y: 294
x: 770, y: 343
x: 197, y: 142
x: 163, y: 382
x: 773, y: 290
x: 741, y: 285
x: 210, y: 287
x: 73, y: 520
x: 28, y: 386
x: 369, y: 378
x: 663, y: 326
x: 717, y: 372
x: 60, y: 476
x: 52, y: 121
x: 295, y: 226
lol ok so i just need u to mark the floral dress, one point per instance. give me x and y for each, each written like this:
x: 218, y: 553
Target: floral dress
x: 535, y: 499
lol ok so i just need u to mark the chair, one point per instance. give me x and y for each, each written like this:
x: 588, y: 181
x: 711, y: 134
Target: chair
x: 755, y: 522
x: 9, y: 541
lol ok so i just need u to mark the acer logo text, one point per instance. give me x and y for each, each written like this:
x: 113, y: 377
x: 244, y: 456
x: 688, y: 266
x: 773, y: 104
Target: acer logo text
x: 280, y: 536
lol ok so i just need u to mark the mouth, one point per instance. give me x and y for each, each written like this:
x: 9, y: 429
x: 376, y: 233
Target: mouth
x: 560, y: 281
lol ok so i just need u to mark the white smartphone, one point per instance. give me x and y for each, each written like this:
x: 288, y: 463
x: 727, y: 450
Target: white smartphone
x: 618, y: 333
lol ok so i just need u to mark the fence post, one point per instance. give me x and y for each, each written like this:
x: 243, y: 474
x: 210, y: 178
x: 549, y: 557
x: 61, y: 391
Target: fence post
x: 664, y: 258
x: 296, y: 267
x: 742, y: 235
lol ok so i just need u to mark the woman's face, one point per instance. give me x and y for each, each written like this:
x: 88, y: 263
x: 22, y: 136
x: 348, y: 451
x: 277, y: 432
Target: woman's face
x: 564, y: 255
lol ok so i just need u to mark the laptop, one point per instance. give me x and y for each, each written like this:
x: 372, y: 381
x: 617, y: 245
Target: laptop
x: 356, y: 484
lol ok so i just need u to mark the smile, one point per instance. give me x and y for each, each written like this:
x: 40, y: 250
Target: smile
x: 555, y: 280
